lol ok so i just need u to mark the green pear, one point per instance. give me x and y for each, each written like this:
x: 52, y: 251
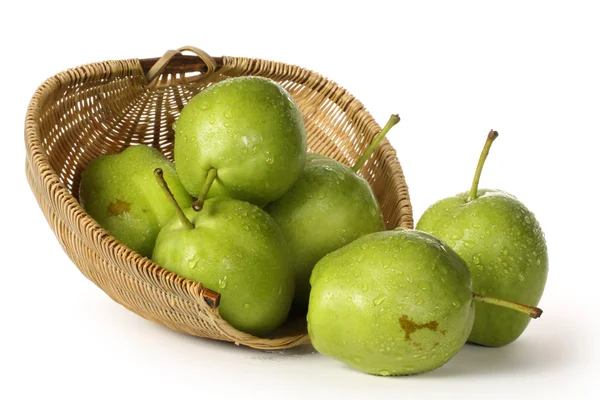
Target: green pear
x: 393, y: 303
x: 249, y: 131
x: 328, y: 207
x: 504, y: 248
x: 236, y: 249
x: 119, y: 191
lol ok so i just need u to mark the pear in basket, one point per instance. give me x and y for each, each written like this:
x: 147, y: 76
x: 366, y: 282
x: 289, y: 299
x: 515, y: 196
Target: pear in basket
x: 246, y: 130
x: 327, y: 208
x: 120, y: 193
x: 236, y: 249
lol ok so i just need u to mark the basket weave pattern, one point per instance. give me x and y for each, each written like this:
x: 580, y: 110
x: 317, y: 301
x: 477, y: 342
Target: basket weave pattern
x: 104, y: 107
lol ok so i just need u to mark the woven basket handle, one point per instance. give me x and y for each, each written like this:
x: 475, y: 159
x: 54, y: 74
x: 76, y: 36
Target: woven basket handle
x: 162, y: 62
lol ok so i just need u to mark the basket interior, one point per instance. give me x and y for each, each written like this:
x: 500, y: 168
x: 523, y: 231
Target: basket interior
x: 87, y: 119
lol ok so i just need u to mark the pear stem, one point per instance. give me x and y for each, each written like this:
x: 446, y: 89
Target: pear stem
x: 211, y: 175
x: 394, y: 119
x: 484, y: 153
x: 533, y: 312
x: 158, y: 173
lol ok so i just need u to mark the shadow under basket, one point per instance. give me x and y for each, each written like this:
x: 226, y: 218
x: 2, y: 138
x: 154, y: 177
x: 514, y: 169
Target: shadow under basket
x: 77, y: 115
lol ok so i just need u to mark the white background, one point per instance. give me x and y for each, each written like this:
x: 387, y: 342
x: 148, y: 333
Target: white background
x: 452, y: 70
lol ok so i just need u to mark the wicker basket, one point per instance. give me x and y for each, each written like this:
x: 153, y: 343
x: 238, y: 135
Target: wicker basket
x: 84, y: 112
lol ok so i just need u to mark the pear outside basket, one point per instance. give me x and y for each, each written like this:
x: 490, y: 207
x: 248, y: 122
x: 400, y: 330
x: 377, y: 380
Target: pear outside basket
x: 99, y: 108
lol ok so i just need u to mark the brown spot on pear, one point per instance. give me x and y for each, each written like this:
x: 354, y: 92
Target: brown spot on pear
x: 409, y: 326
x: 118, y: 207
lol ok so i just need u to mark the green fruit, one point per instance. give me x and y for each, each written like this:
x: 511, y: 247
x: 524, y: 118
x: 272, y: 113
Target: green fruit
x: 233, y: 248
x: 119, y: 191
x: 250, y: 131
x: 328, y: 207
x: 393, y: 303
x: 504, y: 248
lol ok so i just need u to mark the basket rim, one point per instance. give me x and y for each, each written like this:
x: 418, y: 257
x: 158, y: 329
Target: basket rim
x: 38, y: 162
